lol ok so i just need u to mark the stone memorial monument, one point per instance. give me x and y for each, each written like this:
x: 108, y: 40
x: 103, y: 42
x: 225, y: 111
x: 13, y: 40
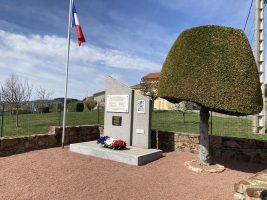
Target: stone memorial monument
x: 127, y: 114
x: 127, y: 117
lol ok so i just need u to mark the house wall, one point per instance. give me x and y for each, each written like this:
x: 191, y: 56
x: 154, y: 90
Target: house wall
x: 162, y: 104
x: 100, y: 99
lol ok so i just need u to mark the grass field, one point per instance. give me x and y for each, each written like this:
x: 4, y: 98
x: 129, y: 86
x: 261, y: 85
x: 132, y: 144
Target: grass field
x: 39, y: 123
x: 223, y: 126
x: 168, y: 121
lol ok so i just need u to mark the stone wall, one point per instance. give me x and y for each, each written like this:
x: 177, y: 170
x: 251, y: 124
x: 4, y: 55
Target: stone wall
x: 174, y: 141
x: 247, y: 150
x: 75, y: 134
x: 223, y: 147
x: 253, y: 188
x: 13, y: 145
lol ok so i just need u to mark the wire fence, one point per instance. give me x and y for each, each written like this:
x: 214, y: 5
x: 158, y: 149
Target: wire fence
x: 219, y: 124
x: 29, y: 122
x: 32, y: 122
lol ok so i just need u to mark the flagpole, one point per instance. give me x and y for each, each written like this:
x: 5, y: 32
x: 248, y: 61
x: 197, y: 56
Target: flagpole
x: 66, y: 77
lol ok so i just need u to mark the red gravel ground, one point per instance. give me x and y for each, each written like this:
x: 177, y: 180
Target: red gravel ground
x: 59, y: 174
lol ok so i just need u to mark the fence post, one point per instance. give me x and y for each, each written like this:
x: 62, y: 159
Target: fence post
x: 2, y: 123
x: 98, y: 115
x: 59, y: 116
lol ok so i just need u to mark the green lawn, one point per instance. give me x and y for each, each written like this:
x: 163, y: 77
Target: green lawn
x: 39, y: 123
x: 222, y: 126
x: 168, y: 121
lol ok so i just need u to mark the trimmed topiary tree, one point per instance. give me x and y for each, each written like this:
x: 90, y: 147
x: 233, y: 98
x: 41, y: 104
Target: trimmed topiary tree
x: 214, y: 67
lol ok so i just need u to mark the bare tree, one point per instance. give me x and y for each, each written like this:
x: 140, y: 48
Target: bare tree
x: 15, y: 93
x: 43, y: 95
x: 150, y: 88
x: 182, y: 107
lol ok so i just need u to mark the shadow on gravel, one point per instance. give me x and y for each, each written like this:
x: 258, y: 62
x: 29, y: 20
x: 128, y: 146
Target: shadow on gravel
x: 240, y: 166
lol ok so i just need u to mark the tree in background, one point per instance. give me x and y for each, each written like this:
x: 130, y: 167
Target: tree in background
x: 43, y: 96
x: 214, y: 67
x: 182, y: 107
x: 90, y: 103
x: 150, y: 88
x: 16, y: 93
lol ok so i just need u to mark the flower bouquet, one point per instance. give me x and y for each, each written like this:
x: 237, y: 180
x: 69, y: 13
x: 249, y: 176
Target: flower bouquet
x: 112, y: 143
x: 102, y: 139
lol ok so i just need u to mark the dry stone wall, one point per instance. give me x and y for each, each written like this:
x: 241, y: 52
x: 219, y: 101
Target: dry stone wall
x: 13, y: 145
x: 246, y: 150
x: 174, y: 141
x: 223, y: 147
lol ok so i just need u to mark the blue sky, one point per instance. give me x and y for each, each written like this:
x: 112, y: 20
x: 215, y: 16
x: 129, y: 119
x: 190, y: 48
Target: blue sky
x: 124, y: 39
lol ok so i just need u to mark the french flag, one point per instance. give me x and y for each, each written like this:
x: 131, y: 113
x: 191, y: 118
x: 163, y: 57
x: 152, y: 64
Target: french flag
x: 75, y: 23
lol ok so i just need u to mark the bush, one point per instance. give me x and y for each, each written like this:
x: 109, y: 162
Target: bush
x: 75, y: 107
x: 43, y: 109
x: 90, y: 104
x: 212, y: 66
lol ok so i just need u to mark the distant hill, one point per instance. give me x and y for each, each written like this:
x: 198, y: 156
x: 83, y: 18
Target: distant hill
x: 56, y: 100
x: 62, y: 100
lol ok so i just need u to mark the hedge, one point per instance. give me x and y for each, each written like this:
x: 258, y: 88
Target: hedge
x: 43, y: 109
x: 214, y: 67
x: 75, y: 107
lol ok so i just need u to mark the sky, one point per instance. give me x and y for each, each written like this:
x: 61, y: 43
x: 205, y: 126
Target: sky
x: 124, y: 39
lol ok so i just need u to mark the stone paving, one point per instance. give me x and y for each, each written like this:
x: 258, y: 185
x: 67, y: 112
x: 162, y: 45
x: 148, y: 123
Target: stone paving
x: 254, y: 188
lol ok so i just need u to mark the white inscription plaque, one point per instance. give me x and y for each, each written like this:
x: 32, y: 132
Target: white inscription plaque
x: 141, y: 106
x: 117, y: 103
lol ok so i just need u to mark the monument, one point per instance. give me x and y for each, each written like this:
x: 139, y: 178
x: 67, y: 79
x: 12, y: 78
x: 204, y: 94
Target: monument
x: 128, y: 118
x: 127, y: 114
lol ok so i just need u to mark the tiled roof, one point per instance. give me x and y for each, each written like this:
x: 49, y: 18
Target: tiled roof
x: 154, y: 75
x: 99, y: 93
x: 137, y: 86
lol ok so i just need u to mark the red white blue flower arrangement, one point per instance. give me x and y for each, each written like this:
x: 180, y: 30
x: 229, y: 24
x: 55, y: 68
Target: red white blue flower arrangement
x: 112, y: 143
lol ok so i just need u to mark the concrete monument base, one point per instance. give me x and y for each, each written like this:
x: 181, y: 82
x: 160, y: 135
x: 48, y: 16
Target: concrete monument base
x: 131, y: 156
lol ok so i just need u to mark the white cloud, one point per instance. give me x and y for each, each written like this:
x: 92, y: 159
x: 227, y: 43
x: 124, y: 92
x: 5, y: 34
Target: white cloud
x: 41, y: 59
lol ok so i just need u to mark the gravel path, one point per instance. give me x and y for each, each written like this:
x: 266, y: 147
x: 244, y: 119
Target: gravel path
x: 59, y: 174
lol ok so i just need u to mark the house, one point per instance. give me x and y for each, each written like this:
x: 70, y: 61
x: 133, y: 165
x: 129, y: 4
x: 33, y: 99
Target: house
x: 149, y: 86
x: 99, y: 97
x: 151, y: 77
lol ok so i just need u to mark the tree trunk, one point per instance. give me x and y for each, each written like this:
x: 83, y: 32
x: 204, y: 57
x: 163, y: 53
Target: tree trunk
x: 204, y: 156
x: 17, y: 117
x: 184, y: 117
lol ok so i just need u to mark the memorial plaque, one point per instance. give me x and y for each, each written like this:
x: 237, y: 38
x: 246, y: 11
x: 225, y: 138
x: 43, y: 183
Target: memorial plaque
x: 117, y: 103
x: 141, y: 106
x: 116, y: 120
